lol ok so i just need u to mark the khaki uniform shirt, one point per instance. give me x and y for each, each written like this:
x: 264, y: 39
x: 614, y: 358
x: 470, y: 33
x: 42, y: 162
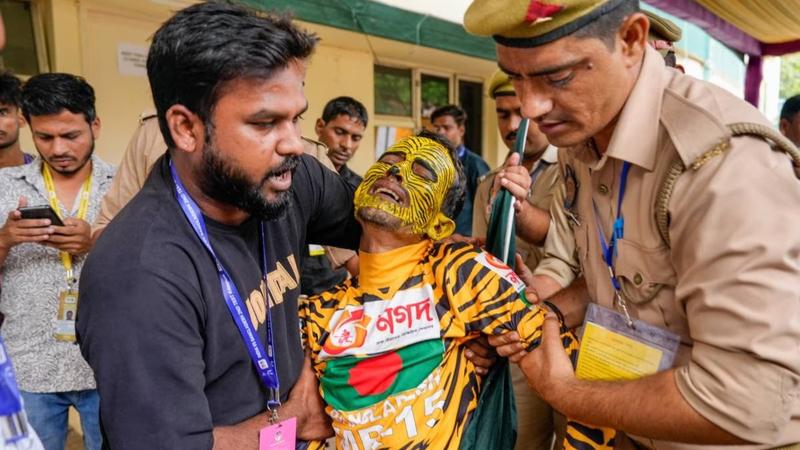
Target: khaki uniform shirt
x: 146, y: 146
x: 558, y: 250
x: 543, y: 192
x: 729, y: 282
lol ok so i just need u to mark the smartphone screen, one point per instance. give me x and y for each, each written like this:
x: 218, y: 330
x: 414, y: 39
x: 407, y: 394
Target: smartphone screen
x: 41, y: 212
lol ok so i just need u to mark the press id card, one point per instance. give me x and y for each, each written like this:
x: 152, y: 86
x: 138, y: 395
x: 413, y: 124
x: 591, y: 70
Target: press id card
x: 316, y: 250
x: 280, y: 436
x: 610, y: 349
x: 65, y: 317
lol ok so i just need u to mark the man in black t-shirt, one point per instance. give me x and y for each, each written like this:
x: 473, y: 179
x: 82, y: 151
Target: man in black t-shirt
x: 171, y: 366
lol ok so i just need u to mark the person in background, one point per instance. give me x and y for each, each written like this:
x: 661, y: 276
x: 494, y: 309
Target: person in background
x: 341, y: 129
x: 10, y: 440
x: 41, y: 261
x: 449, y: 121
x: 11, y: 121
x: 790, y: 119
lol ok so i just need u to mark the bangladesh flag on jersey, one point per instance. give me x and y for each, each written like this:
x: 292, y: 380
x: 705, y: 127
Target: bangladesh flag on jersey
x: 353, y: 382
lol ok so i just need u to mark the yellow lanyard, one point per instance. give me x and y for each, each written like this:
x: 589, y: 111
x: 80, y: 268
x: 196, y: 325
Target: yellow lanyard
x: 83, y: 208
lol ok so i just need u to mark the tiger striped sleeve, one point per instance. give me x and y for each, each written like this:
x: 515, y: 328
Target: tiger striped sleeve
x: 483, y: 295
x: 315, y: 313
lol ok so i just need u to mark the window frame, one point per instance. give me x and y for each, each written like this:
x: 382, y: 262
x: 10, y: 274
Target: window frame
x: 39, y: 39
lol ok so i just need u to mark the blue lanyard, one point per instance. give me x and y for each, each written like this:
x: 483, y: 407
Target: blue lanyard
x: 264, y: 361
x: 27, y: 159
x: 609, y: 247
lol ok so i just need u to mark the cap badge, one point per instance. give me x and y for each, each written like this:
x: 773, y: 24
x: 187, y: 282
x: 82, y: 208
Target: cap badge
x: 539, y: 12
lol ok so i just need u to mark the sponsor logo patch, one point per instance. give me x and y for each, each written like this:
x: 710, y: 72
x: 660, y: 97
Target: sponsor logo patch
x: 500, y: 268
x: 376, y: 327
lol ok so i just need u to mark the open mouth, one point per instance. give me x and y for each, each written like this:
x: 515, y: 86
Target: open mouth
x: 281, y: 181
x: 388, y: 195
x: 390, y: 192
x: 280, y: 178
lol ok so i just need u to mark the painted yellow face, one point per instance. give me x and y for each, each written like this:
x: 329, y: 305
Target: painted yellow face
x: 409, y: 182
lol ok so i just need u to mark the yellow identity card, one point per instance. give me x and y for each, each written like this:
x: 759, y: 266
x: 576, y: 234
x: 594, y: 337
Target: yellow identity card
x: 612, y: 350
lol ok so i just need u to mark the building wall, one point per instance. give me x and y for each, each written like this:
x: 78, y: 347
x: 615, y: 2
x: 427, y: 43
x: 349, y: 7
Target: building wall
x: 83, y: 37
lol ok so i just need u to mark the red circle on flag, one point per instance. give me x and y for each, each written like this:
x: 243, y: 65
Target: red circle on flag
x: 375, y: 375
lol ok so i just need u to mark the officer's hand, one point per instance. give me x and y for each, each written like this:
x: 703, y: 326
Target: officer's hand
x: 547, y: 369
x: 508, y: 345
x: 516, y: 179
x: 527, y: 277
x: 481, y: 354
x: 17, y: 230
x: 75, y: 237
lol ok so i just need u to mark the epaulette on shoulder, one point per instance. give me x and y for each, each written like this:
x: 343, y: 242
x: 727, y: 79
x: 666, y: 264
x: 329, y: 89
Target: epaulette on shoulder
x: 309, y: 141
x: 776, y: 140
x: 147, y: 115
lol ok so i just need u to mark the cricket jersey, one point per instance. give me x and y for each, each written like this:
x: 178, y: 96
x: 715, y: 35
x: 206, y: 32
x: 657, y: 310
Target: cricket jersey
x: 387, y: 345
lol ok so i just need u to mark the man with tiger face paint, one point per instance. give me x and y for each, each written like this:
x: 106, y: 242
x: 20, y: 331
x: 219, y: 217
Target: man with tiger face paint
x: 388, y: 346
x: 427, y: 175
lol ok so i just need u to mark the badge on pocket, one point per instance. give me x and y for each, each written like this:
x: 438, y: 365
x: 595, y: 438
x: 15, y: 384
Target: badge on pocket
x: 611, y: 349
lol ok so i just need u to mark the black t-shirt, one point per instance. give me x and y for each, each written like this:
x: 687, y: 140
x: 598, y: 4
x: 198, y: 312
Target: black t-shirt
x: 153, y: 324
x: 316, y: 273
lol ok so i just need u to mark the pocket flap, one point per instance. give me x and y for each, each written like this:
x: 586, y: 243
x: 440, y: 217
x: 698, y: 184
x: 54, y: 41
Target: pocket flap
x: 643, y: 271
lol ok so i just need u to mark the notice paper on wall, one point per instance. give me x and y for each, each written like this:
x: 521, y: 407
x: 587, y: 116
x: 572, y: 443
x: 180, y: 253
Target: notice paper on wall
x: 132, y: 59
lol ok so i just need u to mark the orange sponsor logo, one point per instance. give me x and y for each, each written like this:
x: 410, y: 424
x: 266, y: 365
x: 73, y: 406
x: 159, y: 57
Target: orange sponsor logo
x: 350, y: 332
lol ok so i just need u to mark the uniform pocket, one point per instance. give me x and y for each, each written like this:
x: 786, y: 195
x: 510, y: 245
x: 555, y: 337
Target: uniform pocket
x: 643, y: 271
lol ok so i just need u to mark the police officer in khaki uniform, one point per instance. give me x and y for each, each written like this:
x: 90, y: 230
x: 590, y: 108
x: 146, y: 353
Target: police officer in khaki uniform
x: 534, y: 416
x: 716, y: 263
x: 559, y: 247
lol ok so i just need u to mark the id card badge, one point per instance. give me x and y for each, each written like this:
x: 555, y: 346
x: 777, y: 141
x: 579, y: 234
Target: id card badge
x: 65, y: 317
x: 610, y: 349
x: 316, y: 250
x: 280, y: 436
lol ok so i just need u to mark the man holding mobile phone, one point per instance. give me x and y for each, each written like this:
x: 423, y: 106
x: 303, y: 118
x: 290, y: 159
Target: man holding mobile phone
x: 40, y: 261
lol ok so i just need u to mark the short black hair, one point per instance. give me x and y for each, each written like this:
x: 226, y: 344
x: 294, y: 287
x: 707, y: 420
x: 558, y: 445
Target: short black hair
x: 50, y: 93
x: 790, y: 107
x: 347, y: 106
x: 606, y: 26
x: 456, y: 112
x: 10, y: 89
x: 454, y: 199
x: 204, y: 46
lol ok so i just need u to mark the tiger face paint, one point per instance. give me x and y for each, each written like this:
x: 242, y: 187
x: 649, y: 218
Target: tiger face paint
x: 407, y: 186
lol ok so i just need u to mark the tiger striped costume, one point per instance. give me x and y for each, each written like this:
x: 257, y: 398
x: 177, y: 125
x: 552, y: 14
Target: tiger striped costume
x: 387, y: 346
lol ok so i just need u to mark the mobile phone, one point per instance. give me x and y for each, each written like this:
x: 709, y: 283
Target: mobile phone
x: 41, y: 212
